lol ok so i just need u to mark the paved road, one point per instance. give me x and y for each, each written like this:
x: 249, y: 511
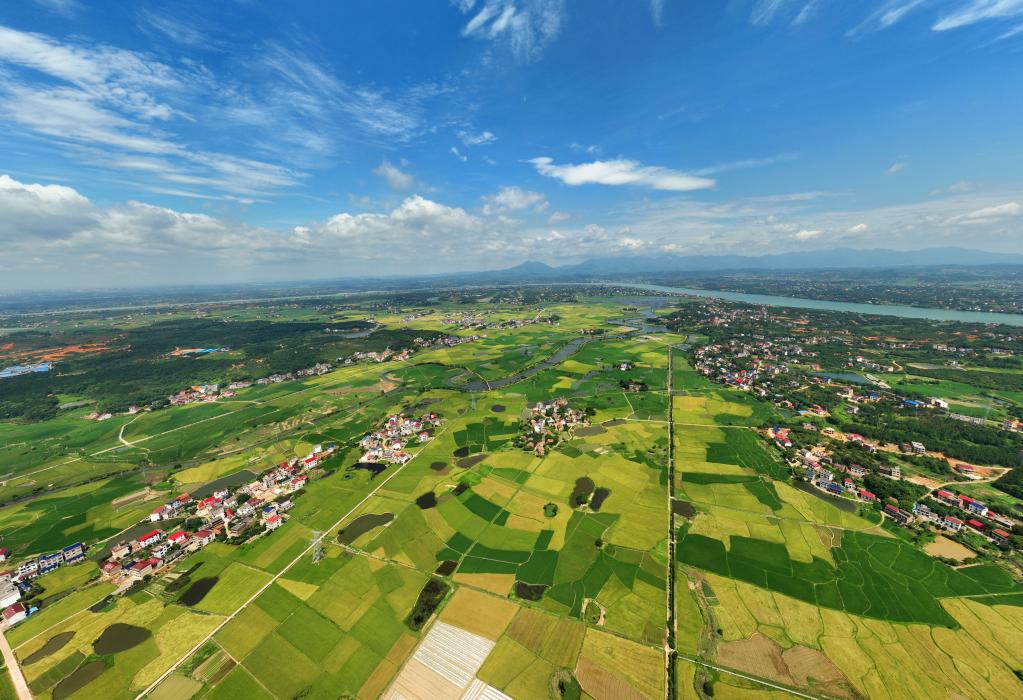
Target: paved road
x: 17, y: 677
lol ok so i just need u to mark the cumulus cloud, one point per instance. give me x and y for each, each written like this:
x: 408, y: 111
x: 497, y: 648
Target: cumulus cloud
x: 396, y: 178
x: 513, y: 199
x: 35, y: 210
x: 621, y: 172
x: 523, y: 27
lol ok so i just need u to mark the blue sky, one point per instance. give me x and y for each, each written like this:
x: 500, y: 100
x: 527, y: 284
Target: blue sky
x: 255, y: 140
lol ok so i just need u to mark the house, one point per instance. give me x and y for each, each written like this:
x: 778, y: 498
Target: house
x: 239, y: 526
x: 947, y: 497
x: 50, y: 562
x: 146, y: 567
x: 1000, y: 537
x: 9, y: 594
x: 952, y: 523
x: 273, y: 522
x: 918, y: 448
x: 898, y: 515
x: 161, y: 513
x: 892, y: 471
x: 975, y: 524
x: 179, y: 538
x: 151, y: 538
x: 110, y: 567
x: 73, y: 553
x: 13, y: 614
x: 4, y: 553
x: 204, y: 537
x: 161, y: 549
x: 856, y: 470
x: 120, y: 551
x: 867, y: 495
x: 965, y: 469
x: 972, y: 506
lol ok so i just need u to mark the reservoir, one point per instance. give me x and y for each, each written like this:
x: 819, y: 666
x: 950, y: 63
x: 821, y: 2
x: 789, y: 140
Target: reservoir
x: 821, y: 305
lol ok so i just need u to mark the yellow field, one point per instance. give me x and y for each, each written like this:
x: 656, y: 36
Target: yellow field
x: 882, y: 659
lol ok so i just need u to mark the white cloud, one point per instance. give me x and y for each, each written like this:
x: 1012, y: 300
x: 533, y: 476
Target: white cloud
x: 807, y: 234
x: 747, y: 163
x: 988, y: 214
x: 764, y: 11
x: 557, y: 217
x: 175, y: 29
x: 896, y: 167
x: 859, y: 228
x: 396, y: 178
x: 512, y: 199
x: 657, y: 11
x: 621, y: 172
x: 483, y: 138
x: 458, y: 154
x: 35, y: 210
x: 974, y: 11
x: 890, y: 12
x: 65, y: 8
x: 524, y: 27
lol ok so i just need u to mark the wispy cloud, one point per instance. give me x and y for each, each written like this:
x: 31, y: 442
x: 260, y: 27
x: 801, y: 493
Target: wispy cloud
x: 988, y: 214
x: 889, y: 13
x: 481, y: 138
x: 764, y: 11
x: 621, y: 172
x: 896, y: 167
x: 65, y: 8
x: 747, y: 163
x: 974, y: 11
x: 174, y: 28
x: 657, y: 11
x: 523, y: 27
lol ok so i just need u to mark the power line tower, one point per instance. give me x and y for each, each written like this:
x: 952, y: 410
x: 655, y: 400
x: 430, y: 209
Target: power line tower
x: 317, y: 546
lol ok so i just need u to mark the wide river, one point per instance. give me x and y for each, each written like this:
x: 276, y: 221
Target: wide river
x: 874, y: 309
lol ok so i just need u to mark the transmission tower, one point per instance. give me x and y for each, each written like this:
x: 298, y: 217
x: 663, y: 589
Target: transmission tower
x: 317, y: 546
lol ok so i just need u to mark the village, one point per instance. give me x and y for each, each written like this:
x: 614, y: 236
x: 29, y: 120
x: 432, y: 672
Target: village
x: 939, y: 508
x: 547, y: 424
x: 388, y: 443
x: 254, y: 509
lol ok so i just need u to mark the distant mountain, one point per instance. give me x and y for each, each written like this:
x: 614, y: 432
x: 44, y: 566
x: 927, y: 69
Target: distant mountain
x: 612, y: 266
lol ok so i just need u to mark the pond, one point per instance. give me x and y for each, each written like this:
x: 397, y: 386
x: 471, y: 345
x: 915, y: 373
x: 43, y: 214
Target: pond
x: 427, y: 500
x: 53, y: 645
x: 843, y: 504
x: 82, y: 676
x: 231, y: 481
x: 467, y: 462
x: 373, y: 468
x: 446, y: 568
x: 361, y: 525
x: 198, y: 590
x: 120, y: 637
x: 581, y: 493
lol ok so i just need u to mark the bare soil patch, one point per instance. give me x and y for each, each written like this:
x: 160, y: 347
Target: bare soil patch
x: 950, y: 549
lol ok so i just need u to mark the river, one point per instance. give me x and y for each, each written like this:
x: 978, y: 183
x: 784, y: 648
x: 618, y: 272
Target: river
x: 822, y: 305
